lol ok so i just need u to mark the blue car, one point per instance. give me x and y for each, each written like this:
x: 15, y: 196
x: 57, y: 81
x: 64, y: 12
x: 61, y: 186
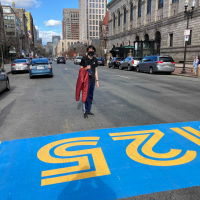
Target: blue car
x: 39, y: 67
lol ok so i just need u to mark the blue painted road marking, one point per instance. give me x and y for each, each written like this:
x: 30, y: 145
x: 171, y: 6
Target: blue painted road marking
x: 101, y: 164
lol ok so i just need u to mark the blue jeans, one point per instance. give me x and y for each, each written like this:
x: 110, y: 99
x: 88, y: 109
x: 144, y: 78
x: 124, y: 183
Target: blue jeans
x: 88, y: 103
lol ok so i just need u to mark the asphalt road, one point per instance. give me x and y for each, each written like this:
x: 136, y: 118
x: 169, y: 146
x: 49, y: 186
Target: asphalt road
x: 46, y: 106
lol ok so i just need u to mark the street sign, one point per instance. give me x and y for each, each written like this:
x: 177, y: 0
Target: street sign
x: 186, y: 37
x: 187, y: 32
x: 23, y: 52
x: 105, y: 51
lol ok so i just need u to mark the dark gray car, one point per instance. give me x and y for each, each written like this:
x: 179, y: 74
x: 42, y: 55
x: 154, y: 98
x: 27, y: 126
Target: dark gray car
x: 153, y: 64
x: 4, y: 81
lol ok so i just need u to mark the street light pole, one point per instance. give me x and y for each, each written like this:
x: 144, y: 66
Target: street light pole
x: 188, y: 14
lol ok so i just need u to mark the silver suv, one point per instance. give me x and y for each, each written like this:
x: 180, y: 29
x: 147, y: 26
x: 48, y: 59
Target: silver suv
x: 153, y: 64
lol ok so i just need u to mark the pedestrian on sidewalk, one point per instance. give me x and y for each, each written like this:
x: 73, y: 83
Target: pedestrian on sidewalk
x: 195, y: 64
x: 90, y: 63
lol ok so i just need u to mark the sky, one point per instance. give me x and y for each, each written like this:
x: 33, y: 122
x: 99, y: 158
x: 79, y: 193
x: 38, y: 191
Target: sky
x: 47, y: 14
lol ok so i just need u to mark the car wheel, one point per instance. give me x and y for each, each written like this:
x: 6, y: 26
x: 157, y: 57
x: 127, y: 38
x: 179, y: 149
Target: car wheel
x: 120, y: 67
x: 13, y: 72
x: 7, y: 85
x: 113, y: 66
x: 151, y: 70
x: 108, y: 66
x: 51, y: 75
x: 129, y: 68
x: 137, y: 69
x: 169, y: 73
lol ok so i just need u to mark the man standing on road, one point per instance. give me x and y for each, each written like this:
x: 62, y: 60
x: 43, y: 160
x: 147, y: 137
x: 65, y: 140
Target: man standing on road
x: 90, y: 63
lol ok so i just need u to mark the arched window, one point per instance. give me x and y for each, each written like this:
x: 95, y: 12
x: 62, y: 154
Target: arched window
x: 148, y: 6
x: 137, y: 38
x: 131, y: 12
x: 139, y: 8
x: 113, y: 21
x: 160, y: 3
x: 146, y: 37
x: 119, y: 18
x: 124, y: 15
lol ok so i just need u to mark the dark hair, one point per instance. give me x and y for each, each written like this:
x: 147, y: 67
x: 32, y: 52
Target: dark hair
x: 91, y: 47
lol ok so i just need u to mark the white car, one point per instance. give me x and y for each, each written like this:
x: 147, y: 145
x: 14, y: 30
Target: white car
x: 55, y: 59
x: 77, y: 60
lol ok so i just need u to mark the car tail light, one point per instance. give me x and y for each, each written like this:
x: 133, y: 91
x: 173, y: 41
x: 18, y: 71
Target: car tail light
x: 49, y: 67
x: 133, y: 61
x: 159, y: 62
x: 116, y: 61
x: 24, y: 63
x: 173, y: 62
x: 12, y: 64
x: 31, y: 67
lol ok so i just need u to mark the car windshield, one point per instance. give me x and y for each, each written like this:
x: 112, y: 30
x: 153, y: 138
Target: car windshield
x: 138, y: 59
x: 79, y: 58
x: 120, y: 59
x: 166, y: 59
x: 19, y: 61
x: 40, y: 61
x: 61, y: 57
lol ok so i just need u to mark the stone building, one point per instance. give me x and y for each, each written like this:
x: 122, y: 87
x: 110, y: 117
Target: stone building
x: 161, y: 21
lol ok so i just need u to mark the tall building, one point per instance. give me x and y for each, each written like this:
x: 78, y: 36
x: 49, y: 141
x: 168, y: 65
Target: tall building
x: 70, y: 24
x: 2, y: 28
x: 37, y: 34
x: 91, y: 13
x: 55, y: 40
x: 40, y: 40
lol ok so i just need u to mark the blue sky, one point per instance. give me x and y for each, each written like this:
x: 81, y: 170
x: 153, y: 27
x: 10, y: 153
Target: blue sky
x: 47, y: 14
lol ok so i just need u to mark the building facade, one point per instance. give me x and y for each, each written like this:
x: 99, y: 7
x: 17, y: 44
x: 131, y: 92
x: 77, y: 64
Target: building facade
x: 70, y: 24
x: 55, y: 40
x: 91, y: 13
x: 12, y: 32
x: 2, y: 28
x: 161, y: 21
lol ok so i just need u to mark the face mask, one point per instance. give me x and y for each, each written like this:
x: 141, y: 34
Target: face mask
x: 91, y: 53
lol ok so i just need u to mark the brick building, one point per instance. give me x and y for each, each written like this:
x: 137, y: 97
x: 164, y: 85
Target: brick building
x: 70, y: 24
x: 161, y: 21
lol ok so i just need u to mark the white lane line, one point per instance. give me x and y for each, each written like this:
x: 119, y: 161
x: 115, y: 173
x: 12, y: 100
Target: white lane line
x: 123, y: 77
x: 65, y: 69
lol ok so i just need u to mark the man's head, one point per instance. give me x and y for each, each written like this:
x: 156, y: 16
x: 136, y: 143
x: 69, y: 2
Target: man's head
x: 91, y: 50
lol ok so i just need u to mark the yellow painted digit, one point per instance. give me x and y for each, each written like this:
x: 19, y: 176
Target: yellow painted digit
x: 139, y: 137
x: 68, y: 156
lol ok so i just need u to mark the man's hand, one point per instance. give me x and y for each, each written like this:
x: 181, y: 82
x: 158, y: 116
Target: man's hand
x: 88, y: 67
x: 97, y: 85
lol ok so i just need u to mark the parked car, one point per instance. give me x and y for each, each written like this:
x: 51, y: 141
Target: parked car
x: 4, y: 81
x: 153, y: 64
x: 100, y: 62
x: 77, y: 60
x: 20, y: 65
x: 115, y: 62
x: 40, y: 67
x: 55, y: 59
x: 61, y: 60
x: 130, y: 63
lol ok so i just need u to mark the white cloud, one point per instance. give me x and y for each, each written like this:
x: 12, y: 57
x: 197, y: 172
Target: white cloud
x: 47, y: 36
x: 28, y: 4
x: 52, y: 23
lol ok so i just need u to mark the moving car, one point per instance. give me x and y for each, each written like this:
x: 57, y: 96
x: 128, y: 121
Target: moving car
x: 20, y: 65
x: 130, y: 63
x: 115, y: 62
x: 40, y: 67
x: 4, y: 81
x: 100, y: 62
x: 55, y: 59
x: 153, y: 64
x: 77, y: 60
x: 61, y: 60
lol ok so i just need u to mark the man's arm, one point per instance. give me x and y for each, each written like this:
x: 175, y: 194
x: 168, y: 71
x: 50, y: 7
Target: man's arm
x: 97, y: 78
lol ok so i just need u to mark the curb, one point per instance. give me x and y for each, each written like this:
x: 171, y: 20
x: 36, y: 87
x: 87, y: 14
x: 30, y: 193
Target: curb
x: 185, y: 75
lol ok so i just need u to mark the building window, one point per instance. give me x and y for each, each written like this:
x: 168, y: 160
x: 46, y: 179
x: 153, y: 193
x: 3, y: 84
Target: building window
x: 190, y: 38
x: 113, y: 21
x: 119, y: 18
x: 160, y: 4
x: 148, y: 6
x: 174, y: 1
x: 131, y: 12
x: 139, y: 8
x: 124, y: 15
x: 171, y: 40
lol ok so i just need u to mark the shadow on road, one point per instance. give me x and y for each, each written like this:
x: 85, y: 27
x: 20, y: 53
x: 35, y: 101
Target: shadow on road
x: 90, y: 189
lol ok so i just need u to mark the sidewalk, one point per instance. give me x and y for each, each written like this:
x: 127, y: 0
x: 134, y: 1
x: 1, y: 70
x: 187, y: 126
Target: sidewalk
x: 7, y: 68
x: 188, y: 67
